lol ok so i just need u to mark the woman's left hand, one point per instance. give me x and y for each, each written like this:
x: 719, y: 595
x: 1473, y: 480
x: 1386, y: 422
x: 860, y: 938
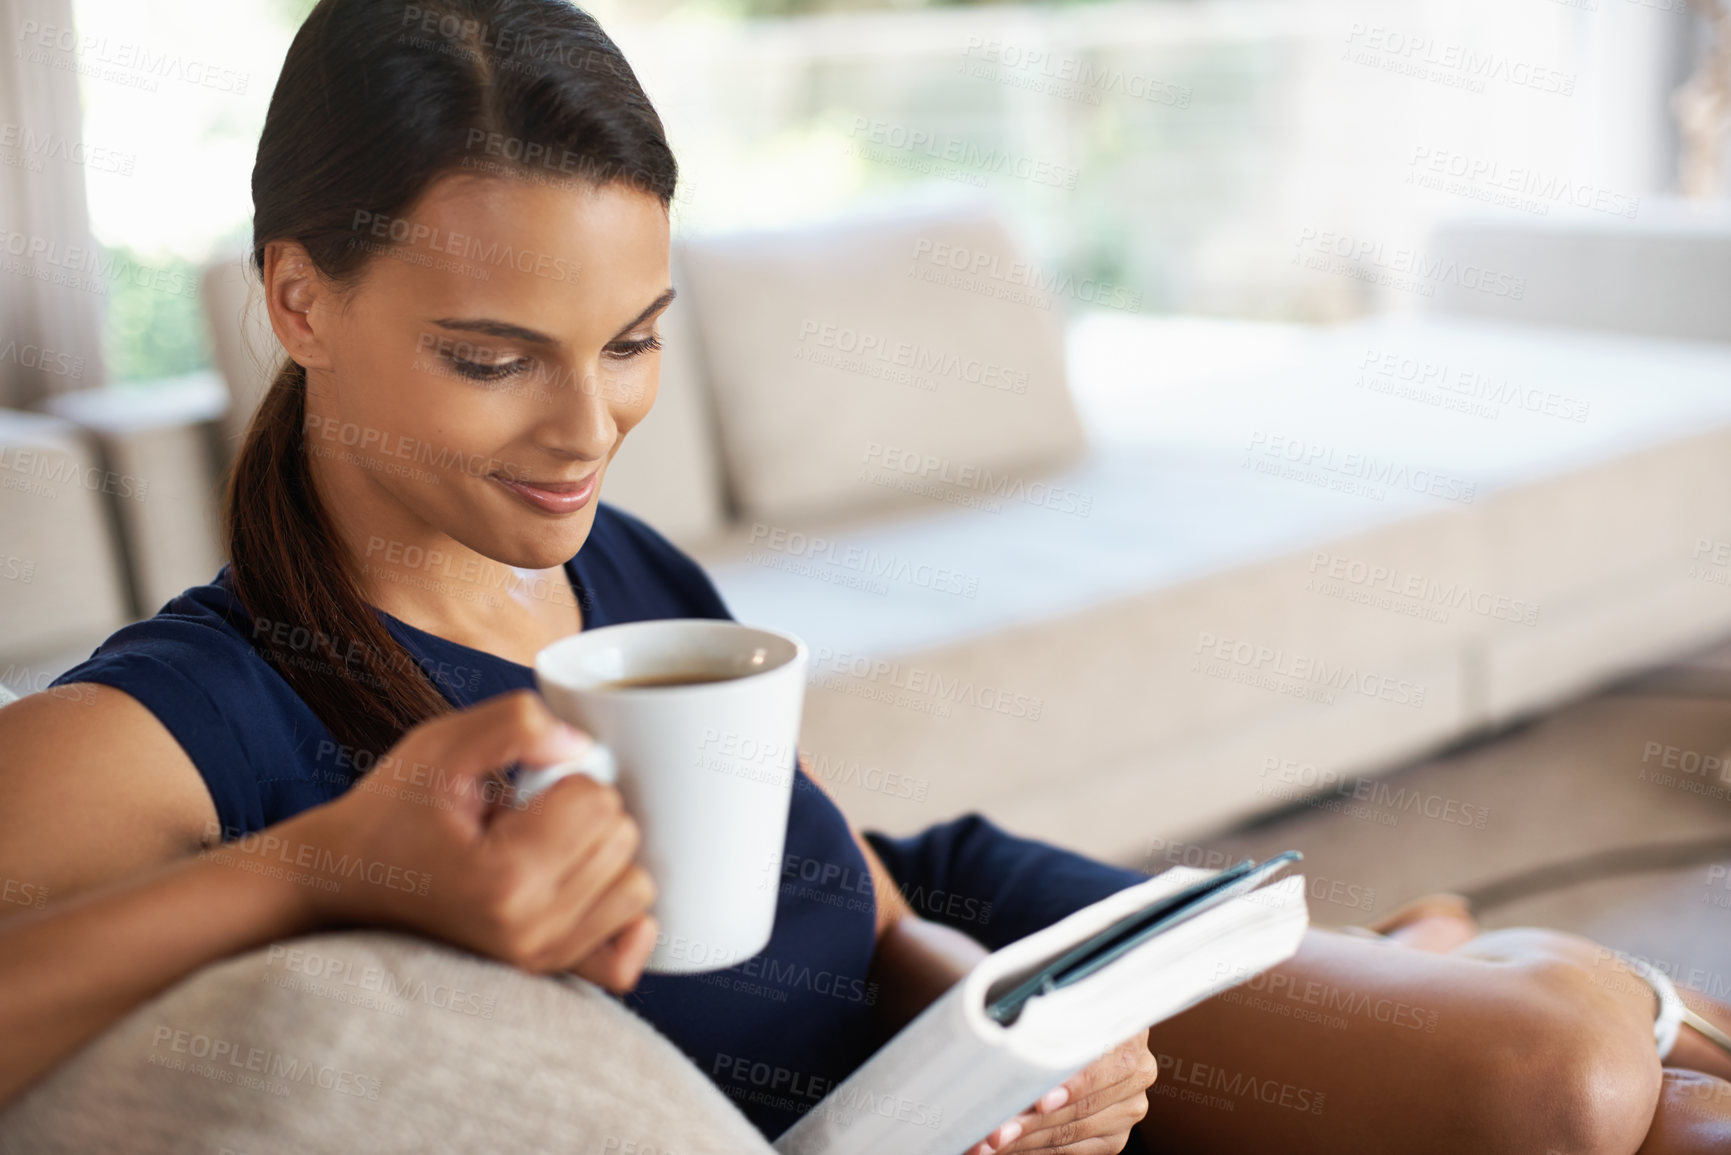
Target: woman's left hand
x: 1091, y: 1113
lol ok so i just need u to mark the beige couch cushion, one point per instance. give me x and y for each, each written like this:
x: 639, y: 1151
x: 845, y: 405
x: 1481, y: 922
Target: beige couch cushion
x: 1073, y: 693
x: 830, y: 343
x: 371, y: 1041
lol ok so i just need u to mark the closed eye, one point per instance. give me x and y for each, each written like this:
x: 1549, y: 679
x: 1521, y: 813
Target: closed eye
x: 488, y: 370
x: 625, y: 350
x: 499, y: 370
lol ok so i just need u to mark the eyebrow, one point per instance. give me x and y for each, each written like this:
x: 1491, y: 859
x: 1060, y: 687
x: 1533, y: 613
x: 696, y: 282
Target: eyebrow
x: 518, y: 333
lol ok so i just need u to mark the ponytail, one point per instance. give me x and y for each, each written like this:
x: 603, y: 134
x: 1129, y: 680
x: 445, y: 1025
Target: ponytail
x: 296, y: 579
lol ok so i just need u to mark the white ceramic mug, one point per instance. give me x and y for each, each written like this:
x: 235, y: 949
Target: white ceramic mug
x: 706, y: 768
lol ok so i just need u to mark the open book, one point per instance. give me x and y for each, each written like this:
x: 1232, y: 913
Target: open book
x: 1032, y: 1014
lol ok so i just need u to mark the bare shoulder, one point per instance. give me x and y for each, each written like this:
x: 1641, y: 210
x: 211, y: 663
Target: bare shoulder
x: 92, y: 788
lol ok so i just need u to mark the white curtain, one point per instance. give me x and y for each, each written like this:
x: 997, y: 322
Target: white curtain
x: 50, y: 331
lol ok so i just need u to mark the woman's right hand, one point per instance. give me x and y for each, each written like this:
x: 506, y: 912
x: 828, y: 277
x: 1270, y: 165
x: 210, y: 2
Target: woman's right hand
x: 421, y: 841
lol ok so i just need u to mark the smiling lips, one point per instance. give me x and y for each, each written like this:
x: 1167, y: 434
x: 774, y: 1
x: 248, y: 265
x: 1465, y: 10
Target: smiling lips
x: 552, y: 496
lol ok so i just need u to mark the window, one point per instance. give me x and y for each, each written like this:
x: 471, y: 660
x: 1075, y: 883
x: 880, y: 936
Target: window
x: 174, y: 95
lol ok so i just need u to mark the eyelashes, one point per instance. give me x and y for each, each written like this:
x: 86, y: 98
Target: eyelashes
x: 484, y: 371
x: 499, y: 370
x: 638, y: 348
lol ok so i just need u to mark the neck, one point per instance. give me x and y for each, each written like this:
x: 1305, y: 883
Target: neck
x: 423, y: 576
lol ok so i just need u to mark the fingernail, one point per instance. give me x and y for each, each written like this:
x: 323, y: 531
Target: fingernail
x: 1055, y: 1098
x: 1010, y: 1133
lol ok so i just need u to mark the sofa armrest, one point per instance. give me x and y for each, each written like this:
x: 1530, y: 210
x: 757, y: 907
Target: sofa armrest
x: 63, y: 582
x: 160, y: 478
x: 376, y: 1041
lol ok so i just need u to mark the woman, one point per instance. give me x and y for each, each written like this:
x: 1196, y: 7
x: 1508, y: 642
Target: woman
x: 461, y: 227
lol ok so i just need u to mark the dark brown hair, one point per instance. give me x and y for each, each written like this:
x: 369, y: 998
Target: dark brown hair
x: 376, y: 100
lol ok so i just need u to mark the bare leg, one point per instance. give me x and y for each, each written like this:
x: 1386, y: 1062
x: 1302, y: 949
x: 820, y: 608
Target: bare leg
x: 1694, y: 1111
x: 1444, y: 922
x: 1511, y: 1043
x: 1694, y: 1052
x: 1694, y: 1116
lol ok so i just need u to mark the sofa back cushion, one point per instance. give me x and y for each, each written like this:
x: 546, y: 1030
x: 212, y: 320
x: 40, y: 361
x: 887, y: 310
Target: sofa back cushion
x: 911, y: 331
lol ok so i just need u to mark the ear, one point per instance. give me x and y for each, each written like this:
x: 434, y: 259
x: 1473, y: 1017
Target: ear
x: 294, y: 290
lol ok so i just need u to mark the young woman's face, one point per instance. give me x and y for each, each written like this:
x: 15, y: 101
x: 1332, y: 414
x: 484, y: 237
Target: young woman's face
x: 480, y: 377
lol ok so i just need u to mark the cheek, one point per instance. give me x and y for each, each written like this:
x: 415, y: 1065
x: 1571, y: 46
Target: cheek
x: 379, y: 384
x: 443, y: 426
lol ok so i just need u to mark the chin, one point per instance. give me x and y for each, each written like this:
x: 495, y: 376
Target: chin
x: 544, y: 546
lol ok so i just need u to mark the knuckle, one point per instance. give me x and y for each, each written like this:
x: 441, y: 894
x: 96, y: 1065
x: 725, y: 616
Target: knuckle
x: 530, y: 954
x: 507, y: 879
x: 516, y: 945
x: 628, y: 832
x: 604, y: 801
x: 502, y: 894
x: 641, y: 886
x: 587, y: 805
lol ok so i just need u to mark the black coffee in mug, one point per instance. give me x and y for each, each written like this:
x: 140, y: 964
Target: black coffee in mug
x: 681, y: 679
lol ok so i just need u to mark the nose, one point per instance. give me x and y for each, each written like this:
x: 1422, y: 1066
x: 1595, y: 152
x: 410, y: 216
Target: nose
x: 579, y: 419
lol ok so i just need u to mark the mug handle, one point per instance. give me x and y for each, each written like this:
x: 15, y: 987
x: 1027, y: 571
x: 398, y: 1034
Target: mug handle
x: 597, y: 762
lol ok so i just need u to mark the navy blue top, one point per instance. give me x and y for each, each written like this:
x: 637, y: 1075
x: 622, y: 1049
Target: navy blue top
x: 777, y: 1031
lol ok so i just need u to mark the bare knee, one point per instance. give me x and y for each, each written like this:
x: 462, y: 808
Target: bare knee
x: 1581, y: 1075
x: 1694, y: 1115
